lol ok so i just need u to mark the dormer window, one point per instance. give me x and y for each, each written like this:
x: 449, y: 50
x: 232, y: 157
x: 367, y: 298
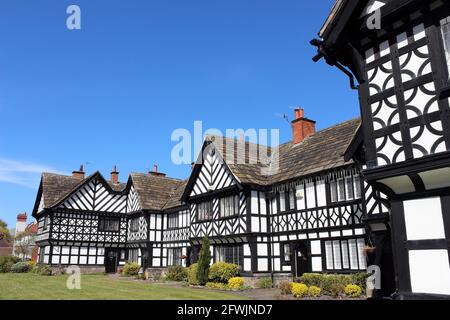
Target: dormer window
x: 445, y: 30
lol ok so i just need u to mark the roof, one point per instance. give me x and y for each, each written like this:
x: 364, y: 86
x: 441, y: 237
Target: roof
x: 335, y: 13
x: 154, y: 191
x: 174, y: 200
x: 55, y: 187
x: 321, y: 151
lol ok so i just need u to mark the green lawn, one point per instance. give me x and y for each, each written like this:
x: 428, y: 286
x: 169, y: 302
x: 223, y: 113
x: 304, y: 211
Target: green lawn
x: 30, y: 286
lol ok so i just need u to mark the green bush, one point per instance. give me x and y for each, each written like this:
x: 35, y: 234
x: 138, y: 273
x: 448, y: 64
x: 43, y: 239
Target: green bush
x: 216, y: 285
x: 43, y: 270
x: 353, y: 290
x: 285, y: 287
x: 31, y: 265
x: 222, y: 272
x: 299, y: 290
x: 6, y: 262
x: 204, y: 259
x: 236, y: 283
x: 20, y: 267
x: 314, y: 291
x: 192, y: 274
x: 177, y: 273
x: 331, y: 284
x: 360, y: 279
x: 131, y: 269
x: 311, y: 279
x: 264, y: 283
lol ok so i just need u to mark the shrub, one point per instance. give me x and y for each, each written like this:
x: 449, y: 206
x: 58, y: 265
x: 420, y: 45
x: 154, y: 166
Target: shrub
x: 314, y: 291
x: 177, y: 273
x: 204, y: 260
x: 43, y: 270
x: 131, y: 269
x: 236, y: 283
x: 360, y: 279
x: 264, y: 283
x: 353, y: 290
x: 216, y: 285
x: 311, y: 279
x: 334, y: 284
x: 20, y: 267
x: 192, y: 274
x: 222, y: 272
x: 299, y: 290
x: 31, y: 265
x: 285, y: 287
x: 6, y: 262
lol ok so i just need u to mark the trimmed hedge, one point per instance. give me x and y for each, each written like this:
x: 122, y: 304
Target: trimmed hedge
x: 222, y: 272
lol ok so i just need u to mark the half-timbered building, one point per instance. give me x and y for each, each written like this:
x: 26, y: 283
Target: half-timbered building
x: 396, y: 53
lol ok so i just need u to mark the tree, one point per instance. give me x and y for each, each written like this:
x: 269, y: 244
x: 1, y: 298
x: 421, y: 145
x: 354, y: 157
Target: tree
x: 204, y: 260
x: 24, y: 244
x: 4, y: 232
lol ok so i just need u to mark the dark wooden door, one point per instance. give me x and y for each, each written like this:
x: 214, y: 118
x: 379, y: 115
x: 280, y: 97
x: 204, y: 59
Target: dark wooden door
x: 301, y: 259
x: 111, y: 260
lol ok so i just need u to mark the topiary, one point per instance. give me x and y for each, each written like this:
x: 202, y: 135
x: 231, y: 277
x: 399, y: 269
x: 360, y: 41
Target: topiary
x: 299, y: 290
x: 177, y: 273
x: 264, y: 283
x: 20, y: 267
x: 131, y: 269
x: 222, y: 272
x: 314, y: 291
x: 204, y: 259
x: 192, y: 274
x: 236, y: 283
x: 353, y: 290
x: 285, y: 287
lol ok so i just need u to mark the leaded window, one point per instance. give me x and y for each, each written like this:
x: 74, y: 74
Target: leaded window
x: 204, y: 211
x: 174, y: 257
x: 229, y: 254
x: 229, y: 206
x: 345, y: 254
x: 345, y: 189
x: 108, y: 224
x: 172, y: 221
x: 134, y: 225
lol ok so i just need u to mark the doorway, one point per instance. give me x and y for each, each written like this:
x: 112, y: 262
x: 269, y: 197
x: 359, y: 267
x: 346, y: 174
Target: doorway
x: 301, y: 259
x: 111, y: 260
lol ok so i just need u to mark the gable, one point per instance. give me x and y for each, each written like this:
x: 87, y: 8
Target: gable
x: 133, y: 203
x: 41, y: 205
x: 96, y: 196
x: 213, y: 175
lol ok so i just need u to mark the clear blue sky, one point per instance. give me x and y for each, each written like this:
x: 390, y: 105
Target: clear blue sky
x: 113, y: 92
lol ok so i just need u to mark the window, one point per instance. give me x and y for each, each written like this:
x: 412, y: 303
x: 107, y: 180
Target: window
x: 229, y: 206
x: 45, y: 223
x: 229, y: 254
x: 108, y: 224
x: 445, y: 28
x: 345, y: 254
x: 282, y: 202
x: 291, y: 202
x: 134, y: 225
x: 345, y: 189
x: 286, y: 252
x: 133, y: 255
x: 172, y: 220
x: 204, y: 211
x: 174, y: 257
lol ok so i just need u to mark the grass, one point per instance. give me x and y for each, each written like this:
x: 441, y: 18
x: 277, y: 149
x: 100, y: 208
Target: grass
x: 28, y: 286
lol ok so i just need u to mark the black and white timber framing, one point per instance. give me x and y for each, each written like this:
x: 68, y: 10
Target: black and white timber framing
x: 402, y: 72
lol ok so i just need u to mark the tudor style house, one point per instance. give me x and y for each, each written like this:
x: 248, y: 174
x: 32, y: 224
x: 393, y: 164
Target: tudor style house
x: 276, y: 212
x: 401, y: 71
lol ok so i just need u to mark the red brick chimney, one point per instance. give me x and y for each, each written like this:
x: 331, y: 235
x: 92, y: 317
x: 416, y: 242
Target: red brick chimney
x: 302, y: 127
x: 79, y: 174
x: 114, y: 175
x: 155, y: 172
x: 22, y: 217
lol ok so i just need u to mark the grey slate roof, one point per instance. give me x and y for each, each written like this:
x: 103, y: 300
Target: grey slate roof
x: 319, y: 152
x: 154, y: 191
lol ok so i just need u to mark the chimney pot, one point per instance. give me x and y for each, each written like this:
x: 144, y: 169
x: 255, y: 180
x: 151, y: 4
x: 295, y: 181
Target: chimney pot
x: 155, y: 172
x: 79, y: 174
x: 22, y: 217
x: 114, y: 175
x: 302, y: 127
